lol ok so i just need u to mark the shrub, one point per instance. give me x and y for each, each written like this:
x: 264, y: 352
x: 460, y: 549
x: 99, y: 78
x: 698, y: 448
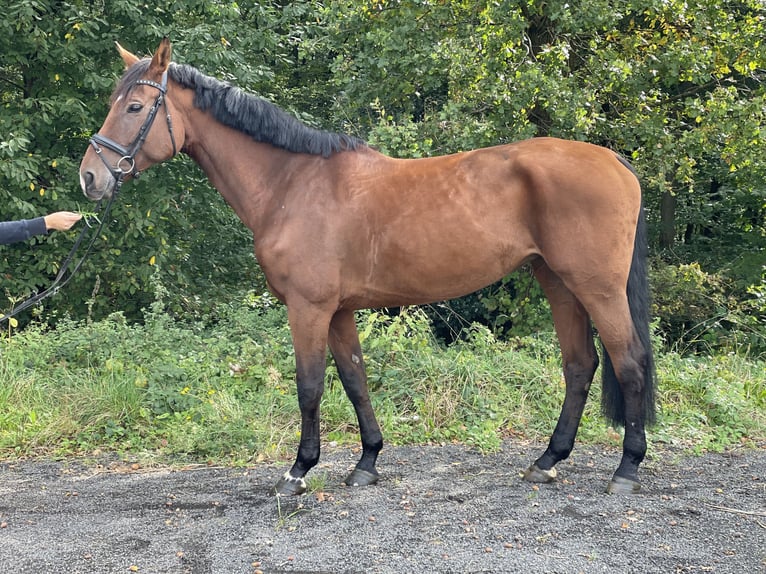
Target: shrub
x: 224, y: 390
x: 699, y: 311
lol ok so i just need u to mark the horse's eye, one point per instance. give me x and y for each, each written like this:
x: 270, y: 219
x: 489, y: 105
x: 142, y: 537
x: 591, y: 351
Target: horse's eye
x: 135, y: 108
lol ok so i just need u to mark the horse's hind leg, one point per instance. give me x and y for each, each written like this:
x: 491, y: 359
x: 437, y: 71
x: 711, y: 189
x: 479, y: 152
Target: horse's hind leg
x: 345, y: 348
x: 627, y: 386
x: 625, y: 369
x: 580, y: 361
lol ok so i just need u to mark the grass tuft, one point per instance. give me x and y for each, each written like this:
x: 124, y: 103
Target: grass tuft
x: 225, y: 392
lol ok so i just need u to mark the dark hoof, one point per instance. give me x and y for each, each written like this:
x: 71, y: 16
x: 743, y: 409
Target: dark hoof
x: 536, y: 474
x: 620, y: 485
x: 360, y: 477
x: 289, y: 486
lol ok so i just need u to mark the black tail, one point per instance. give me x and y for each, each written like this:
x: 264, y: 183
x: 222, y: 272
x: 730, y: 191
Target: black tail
x: 612, y: 404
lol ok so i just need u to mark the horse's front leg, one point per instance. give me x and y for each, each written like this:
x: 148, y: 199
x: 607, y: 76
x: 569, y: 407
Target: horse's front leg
x: 309, y: 328
x: 345, y: 348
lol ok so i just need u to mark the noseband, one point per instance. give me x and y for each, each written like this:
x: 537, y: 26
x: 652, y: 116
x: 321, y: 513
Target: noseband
x: 126, y: 165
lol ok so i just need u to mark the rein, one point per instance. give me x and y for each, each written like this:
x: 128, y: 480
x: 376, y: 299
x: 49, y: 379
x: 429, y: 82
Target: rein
x: 125, y: 166
x: 60, y: 280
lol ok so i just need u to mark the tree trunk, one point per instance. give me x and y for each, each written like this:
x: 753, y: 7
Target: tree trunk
x: 668, y: 220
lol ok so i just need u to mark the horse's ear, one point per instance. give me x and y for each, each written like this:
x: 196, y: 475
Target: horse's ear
x: 127, y: 57
x: 161, y: 58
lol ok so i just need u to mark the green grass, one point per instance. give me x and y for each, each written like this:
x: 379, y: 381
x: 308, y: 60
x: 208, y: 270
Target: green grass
x: 225, y: 392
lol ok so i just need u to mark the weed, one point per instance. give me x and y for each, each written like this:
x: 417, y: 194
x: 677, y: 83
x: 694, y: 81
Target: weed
x: 224, y: 391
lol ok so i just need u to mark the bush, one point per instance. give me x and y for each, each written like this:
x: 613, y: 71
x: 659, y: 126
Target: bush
x: 702, y: 312
x: 515, y: 306
x: 225, y: 390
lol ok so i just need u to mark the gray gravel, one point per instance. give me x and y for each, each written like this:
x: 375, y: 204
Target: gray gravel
x: 436, y: 509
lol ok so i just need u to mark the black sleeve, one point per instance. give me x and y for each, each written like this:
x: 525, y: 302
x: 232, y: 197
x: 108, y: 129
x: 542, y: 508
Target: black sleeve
x: 13, y: 231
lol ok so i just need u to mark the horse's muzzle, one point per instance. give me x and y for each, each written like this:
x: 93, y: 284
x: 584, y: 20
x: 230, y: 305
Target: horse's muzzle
x: 91, y: 188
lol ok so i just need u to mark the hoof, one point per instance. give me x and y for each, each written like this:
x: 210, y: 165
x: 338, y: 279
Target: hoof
x: 289, y: 486
x: 360, y: 477
x: 620, y: 485
x: 536, y: 474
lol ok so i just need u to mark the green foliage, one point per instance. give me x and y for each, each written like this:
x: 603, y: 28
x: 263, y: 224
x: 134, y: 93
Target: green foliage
x: 225, y: 391
x: 513, y: 307
x: 517, y: 306
x: 676, y: 87
x: 698, y: 312
x: 158, y: 385
x: 706, y: 400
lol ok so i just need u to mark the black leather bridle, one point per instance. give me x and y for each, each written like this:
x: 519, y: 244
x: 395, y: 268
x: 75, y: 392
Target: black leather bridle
x: 126, y: 165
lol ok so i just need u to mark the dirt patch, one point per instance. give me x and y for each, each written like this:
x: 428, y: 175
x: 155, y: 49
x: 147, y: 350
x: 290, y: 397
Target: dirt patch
x: 436, y: 509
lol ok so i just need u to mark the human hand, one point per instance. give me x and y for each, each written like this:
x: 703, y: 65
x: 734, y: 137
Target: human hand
x: 61, y: 220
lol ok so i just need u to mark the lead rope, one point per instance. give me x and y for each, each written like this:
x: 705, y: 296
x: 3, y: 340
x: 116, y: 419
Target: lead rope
x: 60, y: 279
x: 127, y: 155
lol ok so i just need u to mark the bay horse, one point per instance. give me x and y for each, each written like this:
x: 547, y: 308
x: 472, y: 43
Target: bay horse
x: 339, y: 227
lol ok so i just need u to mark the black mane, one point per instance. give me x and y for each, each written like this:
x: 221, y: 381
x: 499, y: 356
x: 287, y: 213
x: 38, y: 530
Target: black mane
x: 258, y: 118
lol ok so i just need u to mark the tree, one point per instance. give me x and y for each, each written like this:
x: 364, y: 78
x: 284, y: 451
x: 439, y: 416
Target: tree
x: 57, y: 67
x: 675, y: 87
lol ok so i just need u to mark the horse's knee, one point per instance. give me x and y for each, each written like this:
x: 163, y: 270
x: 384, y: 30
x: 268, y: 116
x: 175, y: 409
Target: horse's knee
x: 310, y: 395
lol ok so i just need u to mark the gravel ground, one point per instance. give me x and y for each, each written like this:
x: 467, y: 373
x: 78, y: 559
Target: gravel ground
x: 435, y: 509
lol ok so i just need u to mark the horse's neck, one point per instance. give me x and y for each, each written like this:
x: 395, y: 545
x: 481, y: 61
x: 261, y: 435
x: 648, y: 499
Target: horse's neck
x: 241, y: 169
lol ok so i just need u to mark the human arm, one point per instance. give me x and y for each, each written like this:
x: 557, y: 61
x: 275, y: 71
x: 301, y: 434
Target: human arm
x: 23, y: 229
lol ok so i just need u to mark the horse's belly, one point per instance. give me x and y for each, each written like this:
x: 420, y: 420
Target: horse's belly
x: 410, y: 277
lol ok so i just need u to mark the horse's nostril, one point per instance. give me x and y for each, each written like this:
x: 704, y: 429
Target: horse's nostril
x: 88, y: 177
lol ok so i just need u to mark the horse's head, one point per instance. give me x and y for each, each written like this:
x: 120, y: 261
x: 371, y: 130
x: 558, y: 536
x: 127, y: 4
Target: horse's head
x: 131, y: 140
